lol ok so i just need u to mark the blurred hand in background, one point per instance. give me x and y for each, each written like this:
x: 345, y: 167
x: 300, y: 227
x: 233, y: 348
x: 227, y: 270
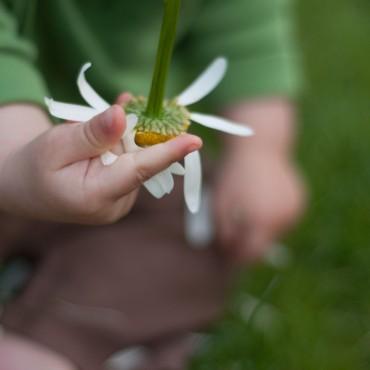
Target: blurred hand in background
x: 259, y: 193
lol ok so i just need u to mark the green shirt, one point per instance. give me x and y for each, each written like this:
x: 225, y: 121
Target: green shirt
x: 43, y: 43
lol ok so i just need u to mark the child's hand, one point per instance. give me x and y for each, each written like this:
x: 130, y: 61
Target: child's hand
x: 259, y: 194
x: 59, y: 176
x: 259, y: 197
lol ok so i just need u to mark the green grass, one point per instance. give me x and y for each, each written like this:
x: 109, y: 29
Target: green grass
x: 316, y: 312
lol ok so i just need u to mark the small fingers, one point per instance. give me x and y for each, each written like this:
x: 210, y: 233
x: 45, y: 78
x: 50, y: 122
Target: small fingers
x: 133, y: 169
x: 253, y: 246
x: 246, y: 239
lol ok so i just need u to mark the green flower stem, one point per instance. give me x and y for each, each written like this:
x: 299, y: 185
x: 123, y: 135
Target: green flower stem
x: 164, y: 56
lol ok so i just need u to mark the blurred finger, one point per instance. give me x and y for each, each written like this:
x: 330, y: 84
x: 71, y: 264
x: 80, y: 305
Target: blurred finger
x: 123, y: 99
x: 253, y: 246
x: 232, y: 223
x: 227, y: 231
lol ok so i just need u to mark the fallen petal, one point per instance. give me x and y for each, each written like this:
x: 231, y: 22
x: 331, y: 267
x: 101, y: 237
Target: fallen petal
x: 70, y: 112
x: 88, y: 93
x: 221, y: 124
x: 192, y: 181
x: 205, y: 83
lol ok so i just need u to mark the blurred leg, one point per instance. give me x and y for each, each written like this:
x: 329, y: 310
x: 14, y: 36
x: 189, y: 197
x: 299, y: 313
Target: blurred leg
x: 98, y: 290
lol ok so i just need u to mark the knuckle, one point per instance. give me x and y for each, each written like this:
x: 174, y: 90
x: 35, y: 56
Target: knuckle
x: 89, y: 135
x: 142, y: 172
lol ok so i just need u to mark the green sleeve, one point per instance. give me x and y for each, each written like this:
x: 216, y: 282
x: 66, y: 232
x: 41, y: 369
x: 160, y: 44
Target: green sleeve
x: 20, y: 81
x: 257, y: 37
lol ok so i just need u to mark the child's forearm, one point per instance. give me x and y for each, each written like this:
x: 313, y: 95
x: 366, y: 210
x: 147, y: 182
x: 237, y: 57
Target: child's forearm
x: 19, y: 124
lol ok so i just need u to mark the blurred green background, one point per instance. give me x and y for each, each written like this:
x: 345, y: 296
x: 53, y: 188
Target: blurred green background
x: 314, y: 313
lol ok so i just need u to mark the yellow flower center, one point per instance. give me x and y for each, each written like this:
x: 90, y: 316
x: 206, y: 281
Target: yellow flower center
x: 173, y: 120
x: 143, y: 138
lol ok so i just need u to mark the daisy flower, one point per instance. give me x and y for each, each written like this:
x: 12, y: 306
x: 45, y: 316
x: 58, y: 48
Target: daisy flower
x: 154, y: 120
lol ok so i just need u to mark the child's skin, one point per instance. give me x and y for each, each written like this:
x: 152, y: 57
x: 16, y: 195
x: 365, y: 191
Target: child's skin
x: 55, y: 174
x: 47, y: 173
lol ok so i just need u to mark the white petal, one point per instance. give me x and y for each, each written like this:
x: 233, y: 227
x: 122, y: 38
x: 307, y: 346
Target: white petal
x: 154, y: 188
x: 70, y: 112
x: 108, y: 158
x: 88, y: 93
x: 192, y: 181
x: 128, y: 137
x: 199, y: 227
x: 221, y: 124
x: 129, y: 143
x: 165, y: 178
x: 177, y: 169
x: 131, y: 121
x: 205, y: 83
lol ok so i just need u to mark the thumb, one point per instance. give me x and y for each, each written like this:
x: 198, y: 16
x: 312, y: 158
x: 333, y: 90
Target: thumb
x: 81, y: 141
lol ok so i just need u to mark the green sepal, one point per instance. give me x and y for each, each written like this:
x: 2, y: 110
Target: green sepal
x: 173, y: 119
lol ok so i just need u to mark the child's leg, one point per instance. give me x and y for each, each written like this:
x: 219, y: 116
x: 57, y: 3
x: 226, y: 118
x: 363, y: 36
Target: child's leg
x: 103, y: 289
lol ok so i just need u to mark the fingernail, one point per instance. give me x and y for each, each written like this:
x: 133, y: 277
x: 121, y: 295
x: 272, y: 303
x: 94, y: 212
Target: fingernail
x: 110, y: 124
x: 192, y: 148
x: 195, y: 145
x: 107, y: 117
